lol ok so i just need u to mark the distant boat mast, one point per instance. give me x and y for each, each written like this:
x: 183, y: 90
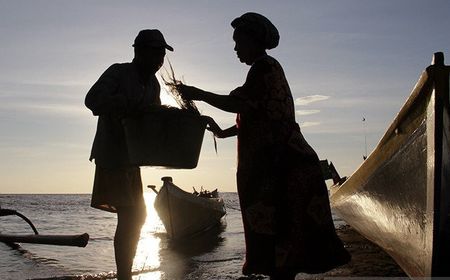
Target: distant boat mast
x: 365, y: 138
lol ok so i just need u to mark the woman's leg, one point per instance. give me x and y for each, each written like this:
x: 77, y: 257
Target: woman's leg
x: 129, y: 224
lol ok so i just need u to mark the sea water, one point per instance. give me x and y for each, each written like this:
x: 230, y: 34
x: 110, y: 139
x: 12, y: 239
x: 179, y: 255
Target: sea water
x: 216, y: 255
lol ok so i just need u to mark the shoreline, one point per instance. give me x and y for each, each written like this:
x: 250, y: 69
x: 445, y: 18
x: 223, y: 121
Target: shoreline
x: 368, y: 259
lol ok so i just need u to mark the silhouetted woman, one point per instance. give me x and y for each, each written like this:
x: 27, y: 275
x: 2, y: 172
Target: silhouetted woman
x: 283, y: 197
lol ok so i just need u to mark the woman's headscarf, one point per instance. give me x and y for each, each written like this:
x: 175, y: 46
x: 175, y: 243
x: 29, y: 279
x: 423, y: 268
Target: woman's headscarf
x: 259, y: 28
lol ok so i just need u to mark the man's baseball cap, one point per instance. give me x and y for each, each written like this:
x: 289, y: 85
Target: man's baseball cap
x: 151, y: 38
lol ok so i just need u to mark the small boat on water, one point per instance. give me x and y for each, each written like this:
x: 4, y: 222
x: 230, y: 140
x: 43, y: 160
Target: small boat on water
x: 186, y: 214
x: 79, y: 240
x: 399, y: 198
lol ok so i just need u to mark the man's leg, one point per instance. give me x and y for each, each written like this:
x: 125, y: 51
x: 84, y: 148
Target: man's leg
x: 129, y: 224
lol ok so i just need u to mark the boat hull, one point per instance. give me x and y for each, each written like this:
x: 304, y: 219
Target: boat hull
x: 185, y: 214
x: 399, y: 197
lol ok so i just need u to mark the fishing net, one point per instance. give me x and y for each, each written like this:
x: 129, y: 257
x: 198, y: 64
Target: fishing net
x: 172, y: 83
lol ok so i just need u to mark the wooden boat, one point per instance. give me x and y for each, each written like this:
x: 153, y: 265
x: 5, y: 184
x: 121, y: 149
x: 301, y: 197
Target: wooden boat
x: 79, y: 240
x: 399, y: 197
x: 186, y: 214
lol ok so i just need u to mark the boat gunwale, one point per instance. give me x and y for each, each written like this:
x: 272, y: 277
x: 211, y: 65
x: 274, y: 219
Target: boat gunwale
x: 422, y: 89
x: 204, y: 202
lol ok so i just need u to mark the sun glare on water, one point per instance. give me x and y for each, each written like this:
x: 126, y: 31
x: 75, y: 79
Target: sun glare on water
x: 147, y: 259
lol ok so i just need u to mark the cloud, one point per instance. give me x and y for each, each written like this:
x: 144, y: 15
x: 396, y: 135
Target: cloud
x: 306, y: 112
x: 310, y: 99
x: 51, y: 109
x: 309, y: 124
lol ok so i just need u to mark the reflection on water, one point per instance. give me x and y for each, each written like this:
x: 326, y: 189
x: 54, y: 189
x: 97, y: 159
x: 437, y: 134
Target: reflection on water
x: 147, y: 254
x: 214, y: 255
x: 159, y: 258
x: 147, y: 260
x: 200, y: 244
x: 217, y: 254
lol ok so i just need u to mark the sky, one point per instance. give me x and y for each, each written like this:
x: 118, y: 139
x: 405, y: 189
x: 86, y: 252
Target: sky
x: 345, y: 60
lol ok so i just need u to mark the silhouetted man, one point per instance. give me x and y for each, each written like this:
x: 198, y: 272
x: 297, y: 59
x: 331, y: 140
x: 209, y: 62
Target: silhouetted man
x: 124, y: 89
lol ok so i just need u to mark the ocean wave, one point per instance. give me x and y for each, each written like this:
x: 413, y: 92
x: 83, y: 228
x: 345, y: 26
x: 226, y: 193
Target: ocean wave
x: 102, y: 275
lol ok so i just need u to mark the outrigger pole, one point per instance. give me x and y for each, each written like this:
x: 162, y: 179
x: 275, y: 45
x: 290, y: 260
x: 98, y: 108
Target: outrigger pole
x: 79, y: 240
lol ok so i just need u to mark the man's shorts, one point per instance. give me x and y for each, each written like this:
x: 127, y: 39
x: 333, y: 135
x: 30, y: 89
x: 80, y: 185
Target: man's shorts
x: 118, y: 187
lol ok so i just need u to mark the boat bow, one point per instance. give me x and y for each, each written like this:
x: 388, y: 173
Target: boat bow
x: 399, y: 197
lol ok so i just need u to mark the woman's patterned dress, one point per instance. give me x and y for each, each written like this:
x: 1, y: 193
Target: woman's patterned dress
x: 284, y: 200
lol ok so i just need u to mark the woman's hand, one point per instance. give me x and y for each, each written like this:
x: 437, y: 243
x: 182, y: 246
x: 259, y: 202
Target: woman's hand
x: 212, y: 126
x: 218, y: 132
x: 190, y: 92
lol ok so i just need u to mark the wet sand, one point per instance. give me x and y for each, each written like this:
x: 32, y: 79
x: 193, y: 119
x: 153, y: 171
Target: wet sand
x: 368, y: 260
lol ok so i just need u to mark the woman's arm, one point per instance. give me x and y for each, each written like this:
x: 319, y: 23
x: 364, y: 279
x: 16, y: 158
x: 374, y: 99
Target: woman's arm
x: 218, y: 132
x: 223, y: 102
x: 229, y: 132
